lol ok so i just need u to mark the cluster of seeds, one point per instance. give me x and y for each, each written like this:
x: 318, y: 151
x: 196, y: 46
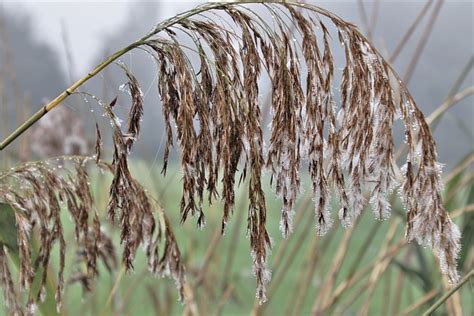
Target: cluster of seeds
x: 209, y: 79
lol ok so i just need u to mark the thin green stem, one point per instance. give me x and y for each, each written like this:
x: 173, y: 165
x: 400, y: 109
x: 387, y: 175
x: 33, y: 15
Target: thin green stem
x: 45, y: 109
x: 448, y: 294
x: 66, y: 93
x: 160, y: 27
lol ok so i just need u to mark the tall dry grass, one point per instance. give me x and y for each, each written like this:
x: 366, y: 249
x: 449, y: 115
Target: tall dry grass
x: 347, y: 146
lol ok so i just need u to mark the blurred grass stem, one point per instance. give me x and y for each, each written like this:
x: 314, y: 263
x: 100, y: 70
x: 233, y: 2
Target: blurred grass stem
x: 448, y: 294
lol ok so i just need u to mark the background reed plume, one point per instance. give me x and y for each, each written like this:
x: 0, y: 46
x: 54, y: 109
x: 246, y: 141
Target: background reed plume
x: 210, y: 89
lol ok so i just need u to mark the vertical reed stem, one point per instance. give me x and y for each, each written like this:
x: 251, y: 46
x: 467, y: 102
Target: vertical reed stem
x: 448, y: 294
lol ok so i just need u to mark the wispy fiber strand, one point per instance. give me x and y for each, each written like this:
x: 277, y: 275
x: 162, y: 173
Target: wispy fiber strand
x: 213, y: 108
x: 348, y: 146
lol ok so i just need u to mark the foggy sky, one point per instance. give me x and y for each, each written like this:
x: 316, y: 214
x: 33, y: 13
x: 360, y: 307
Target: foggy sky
x: 92, y: 29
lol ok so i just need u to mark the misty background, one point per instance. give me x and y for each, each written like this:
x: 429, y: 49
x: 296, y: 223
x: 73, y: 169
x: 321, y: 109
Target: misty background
x: 45, y: 46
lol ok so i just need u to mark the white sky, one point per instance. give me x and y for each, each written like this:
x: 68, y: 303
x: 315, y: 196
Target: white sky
x: 86, y: 22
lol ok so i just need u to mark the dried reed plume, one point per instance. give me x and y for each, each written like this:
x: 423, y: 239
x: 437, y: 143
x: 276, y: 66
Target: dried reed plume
x: 43, y: 192
x: 348, y: 147
x: 61, y: 133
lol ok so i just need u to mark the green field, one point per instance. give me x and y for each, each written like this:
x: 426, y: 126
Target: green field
x: 301, y: 264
